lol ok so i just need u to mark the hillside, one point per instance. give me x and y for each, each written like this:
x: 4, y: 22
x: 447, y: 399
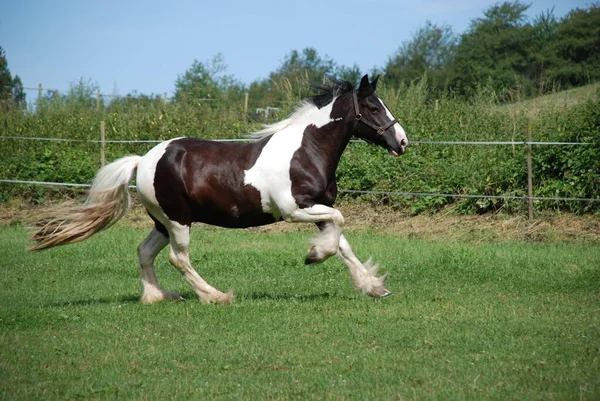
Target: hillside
x: 565, y: 98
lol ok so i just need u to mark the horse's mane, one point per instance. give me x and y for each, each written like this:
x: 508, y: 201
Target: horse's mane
x: 325, y: 95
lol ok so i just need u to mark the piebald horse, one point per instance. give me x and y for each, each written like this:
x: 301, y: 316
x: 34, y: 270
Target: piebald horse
x: 287, y: 173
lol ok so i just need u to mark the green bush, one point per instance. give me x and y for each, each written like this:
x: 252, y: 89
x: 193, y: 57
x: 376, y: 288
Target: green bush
x: 496, y: 170
x: 570, y: 171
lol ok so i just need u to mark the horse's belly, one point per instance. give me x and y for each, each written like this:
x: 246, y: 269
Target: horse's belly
x: 233, y: 217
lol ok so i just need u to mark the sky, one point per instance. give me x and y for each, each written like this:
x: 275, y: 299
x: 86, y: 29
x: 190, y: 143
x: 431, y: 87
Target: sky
x: 126, y: 46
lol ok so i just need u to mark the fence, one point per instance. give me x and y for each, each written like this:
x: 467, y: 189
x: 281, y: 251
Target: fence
x: 102, y: 141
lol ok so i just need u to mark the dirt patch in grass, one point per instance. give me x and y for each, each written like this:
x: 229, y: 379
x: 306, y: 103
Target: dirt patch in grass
x: 446, y: 226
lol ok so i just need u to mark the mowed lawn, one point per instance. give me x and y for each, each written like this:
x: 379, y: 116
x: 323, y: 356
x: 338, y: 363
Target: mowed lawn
x: 507, y: 320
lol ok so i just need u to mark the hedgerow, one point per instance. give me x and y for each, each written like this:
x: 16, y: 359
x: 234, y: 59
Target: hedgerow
x: 558, y: 171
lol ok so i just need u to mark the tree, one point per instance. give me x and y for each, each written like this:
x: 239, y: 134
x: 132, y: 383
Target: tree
x: 207, y: 81
x: 305, y: 66
x: 578, y: 47
x: 430, y: 51
x: 80, y: 97
x: 494, y: 50
x: 298, y: 71
x: 11, y: 89
x: 18, y: 93
x: 543, y: 56
x: 5, y: 77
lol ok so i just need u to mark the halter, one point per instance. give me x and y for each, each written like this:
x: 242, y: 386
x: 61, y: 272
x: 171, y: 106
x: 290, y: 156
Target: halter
x: 359, y: 118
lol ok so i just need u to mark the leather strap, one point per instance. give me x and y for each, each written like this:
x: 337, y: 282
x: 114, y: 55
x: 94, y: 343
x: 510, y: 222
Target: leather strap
x: 359, y: 118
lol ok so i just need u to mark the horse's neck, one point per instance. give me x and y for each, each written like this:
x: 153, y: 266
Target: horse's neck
x: 331, y: 141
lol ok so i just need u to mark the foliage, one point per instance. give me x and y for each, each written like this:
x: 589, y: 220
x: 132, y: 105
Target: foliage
x: 298, y: 71
x: 504, y: 49
x: 574, y: 171
x: 80, y: 98
x: 441, y: 86
x: 578, y: 47
x: 12, y: 94
x: 208, y: 81
x: 430, y: 51
x: 445, y: 169
x: 494, y: 50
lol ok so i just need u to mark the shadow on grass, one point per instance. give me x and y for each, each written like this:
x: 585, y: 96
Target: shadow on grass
x: 125, y: 299
x: 192, y: 297
x: 265, y: 296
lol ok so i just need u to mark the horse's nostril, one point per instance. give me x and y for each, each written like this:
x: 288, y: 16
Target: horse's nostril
x: 404, y: 142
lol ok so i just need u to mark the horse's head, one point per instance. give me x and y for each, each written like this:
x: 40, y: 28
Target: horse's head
x: 375, y: 122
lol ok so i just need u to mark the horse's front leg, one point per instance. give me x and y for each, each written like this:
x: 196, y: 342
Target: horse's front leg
x: 328, y: 220
x: 325, y: 244
x: 363, y: 275
x: 331, y: 241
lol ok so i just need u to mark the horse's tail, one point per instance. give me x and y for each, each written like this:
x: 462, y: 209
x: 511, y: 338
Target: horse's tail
x: 108, y: 200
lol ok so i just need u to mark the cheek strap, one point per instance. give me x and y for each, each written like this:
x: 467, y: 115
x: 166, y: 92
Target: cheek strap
x: 380, y: 129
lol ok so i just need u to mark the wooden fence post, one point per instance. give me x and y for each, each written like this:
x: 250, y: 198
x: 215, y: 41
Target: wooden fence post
x: 529, y: 173
x: 246, y: 96
x: 39, y: 98
x: 102, y: 145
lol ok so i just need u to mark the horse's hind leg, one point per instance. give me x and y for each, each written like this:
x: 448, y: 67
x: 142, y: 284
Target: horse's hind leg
x: 147, y: 251
x: 179, y: 257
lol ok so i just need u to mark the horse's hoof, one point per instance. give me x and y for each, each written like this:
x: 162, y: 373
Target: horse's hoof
x: 224, y: 298
x: 173, y: 296
x: 379, y: 292
x: 154, y: 297
x: 313, y: 257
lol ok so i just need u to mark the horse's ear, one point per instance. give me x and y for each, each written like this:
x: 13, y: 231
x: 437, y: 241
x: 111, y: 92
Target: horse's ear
x: 374, y: 83
x: 365, y: 88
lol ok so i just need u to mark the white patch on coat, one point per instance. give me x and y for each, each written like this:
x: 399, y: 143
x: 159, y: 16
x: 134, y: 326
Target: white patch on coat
x: 145, y: 178
x: 399, y: 132
x: 270, y: 175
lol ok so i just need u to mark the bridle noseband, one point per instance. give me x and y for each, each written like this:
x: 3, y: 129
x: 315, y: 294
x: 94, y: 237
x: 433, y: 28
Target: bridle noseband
x: 360, y: 119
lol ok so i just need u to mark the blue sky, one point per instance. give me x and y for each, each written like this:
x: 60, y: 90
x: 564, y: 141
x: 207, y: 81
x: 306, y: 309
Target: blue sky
x: 127, y: 45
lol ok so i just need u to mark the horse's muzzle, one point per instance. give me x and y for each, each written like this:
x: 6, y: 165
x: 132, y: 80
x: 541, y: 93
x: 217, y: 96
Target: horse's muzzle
x: 400, y: 150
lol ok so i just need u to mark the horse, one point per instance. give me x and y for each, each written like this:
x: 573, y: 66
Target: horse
x: 287, y: 172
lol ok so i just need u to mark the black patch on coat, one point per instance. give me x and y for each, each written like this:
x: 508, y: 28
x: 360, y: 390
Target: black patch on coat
x: 203, y: 181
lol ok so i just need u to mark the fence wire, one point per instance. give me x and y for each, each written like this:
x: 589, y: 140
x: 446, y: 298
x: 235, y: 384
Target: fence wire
x: 348, y: 191
x: 32, y: 138
x: 358, y: 192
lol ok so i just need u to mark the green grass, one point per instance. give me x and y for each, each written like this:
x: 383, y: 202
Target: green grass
x: 504, y: 320
x: 564, y: 98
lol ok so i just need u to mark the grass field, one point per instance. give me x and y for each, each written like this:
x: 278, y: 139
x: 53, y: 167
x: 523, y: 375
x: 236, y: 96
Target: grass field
x: 561, y: 99
x: 500, y: 320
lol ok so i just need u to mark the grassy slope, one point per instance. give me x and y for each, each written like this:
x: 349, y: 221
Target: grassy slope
x: 505, y: 320
x: 565, y: 98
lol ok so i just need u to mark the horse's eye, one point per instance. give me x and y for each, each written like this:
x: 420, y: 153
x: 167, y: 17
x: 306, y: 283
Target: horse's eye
x: 374, y: 109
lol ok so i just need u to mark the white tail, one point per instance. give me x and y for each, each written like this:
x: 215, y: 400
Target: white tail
x: 107, y: 201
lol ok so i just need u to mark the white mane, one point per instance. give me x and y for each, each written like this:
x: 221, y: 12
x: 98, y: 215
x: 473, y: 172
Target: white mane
x: 304, y: 108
